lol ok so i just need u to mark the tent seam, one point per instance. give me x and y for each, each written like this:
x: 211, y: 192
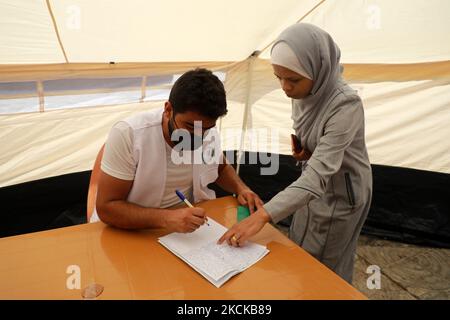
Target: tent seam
x: 299, y: 20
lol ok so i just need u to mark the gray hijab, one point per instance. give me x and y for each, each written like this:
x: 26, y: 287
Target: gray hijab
x: 319, y: 55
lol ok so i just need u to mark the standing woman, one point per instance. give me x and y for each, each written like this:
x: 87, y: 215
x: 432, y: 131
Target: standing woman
x: 331, y: 199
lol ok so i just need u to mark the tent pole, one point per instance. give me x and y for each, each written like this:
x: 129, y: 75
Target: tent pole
x: 251, y: 60
x: 49, y: 7
x: 143, y: 88
x: 40, y: 92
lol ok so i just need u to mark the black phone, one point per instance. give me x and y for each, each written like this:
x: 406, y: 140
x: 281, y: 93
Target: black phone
x: 296, y: 143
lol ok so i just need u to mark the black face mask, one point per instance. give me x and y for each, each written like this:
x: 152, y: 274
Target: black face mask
x: 195, y: 140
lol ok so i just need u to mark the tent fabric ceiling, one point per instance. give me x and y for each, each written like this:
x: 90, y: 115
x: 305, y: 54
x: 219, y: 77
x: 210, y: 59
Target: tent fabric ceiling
x: 385, y: 31
x: 202, y: 30
x: 27, y: 34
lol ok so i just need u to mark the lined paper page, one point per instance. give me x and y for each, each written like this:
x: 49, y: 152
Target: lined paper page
x: 217, y: 263
x: 219, y: 260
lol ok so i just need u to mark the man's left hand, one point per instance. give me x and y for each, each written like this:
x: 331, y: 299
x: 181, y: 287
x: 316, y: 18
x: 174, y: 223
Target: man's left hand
x: 247, y: 197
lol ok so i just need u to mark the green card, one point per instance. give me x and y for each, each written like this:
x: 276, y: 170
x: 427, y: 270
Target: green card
x: 242, y: 213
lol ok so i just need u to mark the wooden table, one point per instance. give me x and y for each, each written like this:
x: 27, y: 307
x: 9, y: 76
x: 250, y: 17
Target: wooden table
x: 133, y: 265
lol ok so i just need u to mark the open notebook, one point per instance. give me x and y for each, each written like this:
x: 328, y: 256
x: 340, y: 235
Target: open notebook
x: 217, y: 263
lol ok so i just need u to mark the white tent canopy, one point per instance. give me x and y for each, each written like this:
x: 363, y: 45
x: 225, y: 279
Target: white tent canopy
x: 60, y: 94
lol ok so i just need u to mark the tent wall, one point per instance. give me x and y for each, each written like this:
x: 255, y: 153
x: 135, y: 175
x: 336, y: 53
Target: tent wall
x: 406, y: 121
x: 33, y: 72
x: 395, y: 52
x: 40, y: 145
x: 36, y: 145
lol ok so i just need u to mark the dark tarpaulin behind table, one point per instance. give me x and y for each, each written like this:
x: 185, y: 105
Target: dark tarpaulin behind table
x: 408, y: 205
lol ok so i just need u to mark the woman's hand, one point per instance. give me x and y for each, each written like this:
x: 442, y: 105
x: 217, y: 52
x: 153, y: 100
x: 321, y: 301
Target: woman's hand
x: 247, y: 197
x: 297, y: 152
x: 238, y: 234
x: 303, y: 155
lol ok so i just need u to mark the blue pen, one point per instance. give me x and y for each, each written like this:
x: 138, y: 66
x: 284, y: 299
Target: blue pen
x: 183, y: 198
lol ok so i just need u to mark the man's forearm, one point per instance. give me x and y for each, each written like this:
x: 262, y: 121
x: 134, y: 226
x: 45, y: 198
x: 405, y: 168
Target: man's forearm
x: 126, y: 215
x: 229, y: 181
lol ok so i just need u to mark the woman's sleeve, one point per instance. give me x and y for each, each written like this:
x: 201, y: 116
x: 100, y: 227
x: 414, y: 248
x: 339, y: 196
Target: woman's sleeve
x: 339, y: 131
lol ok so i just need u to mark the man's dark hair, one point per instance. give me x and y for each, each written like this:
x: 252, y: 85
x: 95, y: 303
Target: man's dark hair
x: 200, y: 91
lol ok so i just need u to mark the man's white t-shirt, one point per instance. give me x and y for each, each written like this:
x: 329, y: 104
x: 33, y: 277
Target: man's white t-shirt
x: 118, y: 162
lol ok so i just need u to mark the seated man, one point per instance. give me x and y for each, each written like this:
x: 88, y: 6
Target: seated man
x: 141, y: 166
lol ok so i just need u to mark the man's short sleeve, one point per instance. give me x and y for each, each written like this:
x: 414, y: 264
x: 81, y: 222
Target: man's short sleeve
x: 118, y: 155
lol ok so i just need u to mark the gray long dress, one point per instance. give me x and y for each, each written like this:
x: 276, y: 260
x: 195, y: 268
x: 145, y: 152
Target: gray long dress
x: 331, y: 199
